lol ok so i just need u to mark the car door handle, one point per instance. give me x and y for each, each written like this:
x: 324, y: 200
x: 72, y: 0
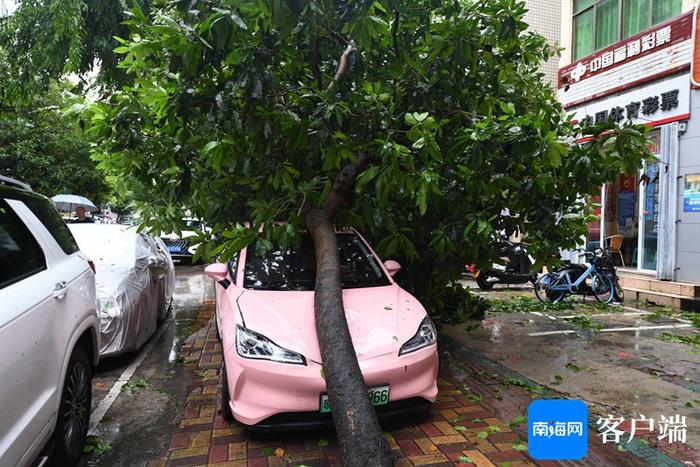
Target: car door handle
x: 59, y: 290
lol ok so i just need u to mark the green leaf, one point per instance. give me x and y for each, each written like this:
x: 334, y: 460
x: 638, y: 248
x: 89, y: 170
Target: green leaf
x: 507, y: 108
x: 322, y: 442
x: 74, y: 110
x: 365, y: 177
x: 518, y: 420
x: 96, y: 445
x: 482, y: 435
x: 483, y: 227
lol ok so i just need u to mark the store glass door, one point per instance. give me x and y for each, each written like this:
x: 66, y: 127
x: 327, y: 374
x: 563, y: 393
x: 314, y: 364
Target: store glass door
x: 621, y: 217
x: 649, y: 217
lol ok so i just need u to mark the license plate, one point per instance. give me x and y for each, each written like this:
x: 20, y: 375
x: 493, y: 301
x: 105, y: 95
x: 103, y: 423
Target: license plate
x: 173, y: 249
x: 377, y: 396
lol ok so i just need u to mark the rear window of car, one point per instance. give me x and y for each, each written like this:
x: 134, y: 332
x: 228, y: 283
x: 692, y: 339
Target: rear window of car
x: 295, y: 269
x: 48, y: 216
x: 20, y: 254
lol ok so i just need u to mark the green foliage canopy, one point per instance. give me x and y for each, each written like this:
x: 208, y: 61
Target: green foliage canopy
x: 49, y: 157
x: 43, y: 40
x: 39, y: 147
x: 244, y: 110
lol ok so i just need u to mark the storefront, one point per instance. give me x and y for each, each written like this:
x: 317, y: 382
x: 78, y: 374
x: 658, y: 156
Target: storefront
x: 631, y: 209
x: 645, y: 79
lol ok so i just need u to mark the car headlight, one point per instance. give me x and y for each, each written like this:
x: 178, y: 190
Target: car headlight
x: 426, y: 335
x: 256, y: 346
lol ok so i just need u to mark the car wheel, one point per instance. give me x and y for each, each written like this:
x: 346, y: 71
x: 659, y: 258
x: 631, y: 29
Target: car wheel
x: 225, y: 396
x: 74, y: 411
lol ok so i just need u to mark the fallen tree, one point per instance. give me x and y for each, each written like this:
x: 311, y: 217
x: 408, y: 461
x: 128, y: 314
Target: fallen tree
x: 416, y: 121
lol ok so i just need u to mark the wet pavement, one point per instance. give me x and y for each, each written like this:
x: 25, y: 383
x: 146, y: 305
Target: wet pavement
x: 613, y: 359
x: 139, y: 423
x: 165, y: 399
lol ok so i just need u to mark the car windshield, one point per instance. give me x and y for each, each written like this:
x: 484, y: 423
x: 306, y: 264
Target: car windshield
x: 192, y: 223
x: 295, y: 269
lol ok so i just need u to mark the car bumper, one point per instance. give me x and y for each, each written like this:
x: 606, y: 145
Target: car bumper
x: 262, y: 389
x: 301, y: 421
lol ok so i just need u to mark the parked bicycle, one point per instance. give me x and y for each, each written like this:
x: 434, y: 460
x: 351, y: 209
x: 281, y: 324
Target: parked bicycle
x: 595, y: 279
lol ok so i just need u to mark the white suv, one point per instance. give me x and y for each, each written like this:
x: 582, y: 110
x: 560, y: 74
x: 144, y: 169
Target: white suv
x: 49, y: 331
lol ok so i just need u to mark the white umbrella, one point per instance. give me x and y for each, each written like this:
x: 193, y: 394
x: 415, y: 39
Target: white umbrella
x: 71, y: 202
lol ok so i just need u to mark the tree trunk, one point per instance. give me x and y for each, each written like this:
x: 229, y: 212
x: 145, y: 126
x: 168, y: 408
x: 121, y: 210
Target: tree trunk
x: 359, y: 434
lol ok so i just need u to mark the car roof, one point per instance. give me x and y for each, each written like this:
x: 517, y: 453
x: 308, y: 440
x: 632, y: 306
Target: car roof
x: 14, y: 192
x: 12, y: 182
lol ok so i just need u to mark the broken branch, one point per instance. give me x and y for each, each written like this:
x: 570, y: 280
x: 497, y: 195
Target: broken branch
x: 342, y: 66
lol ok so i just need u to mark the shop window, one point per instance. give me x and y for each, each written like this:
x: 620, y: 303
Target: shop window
x: 637, y: 16
x: 583, y: 34
x: 599, y: 23
x: 607, y: 19
x: 665, y: 9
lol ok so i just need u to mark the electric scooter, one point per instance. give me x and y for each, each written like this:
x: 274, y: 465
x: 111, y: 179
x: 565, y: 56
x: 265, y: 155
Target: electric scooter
x: 515, y: 270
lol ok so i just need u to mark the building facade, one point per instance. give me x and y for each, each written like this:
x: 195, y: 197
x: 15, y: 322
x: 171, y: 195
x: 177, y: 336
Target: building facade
x: 544, y: 16
x: 630, y: 60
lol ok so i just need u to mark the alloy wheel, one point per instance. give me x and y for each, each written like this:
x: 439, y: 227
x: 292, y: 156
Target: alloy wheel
x: 76, y: 413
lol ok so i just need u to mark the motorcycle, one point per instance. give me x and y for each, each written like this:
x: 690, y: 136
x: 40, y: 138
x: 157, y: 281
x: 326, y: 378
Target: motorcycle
x: 516, y: 269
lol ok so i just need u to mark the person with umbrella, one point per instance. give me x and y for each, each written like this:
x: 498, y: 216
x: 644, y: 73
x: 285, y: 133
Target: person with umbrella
x: 66, y: 202
x: 82, y: 218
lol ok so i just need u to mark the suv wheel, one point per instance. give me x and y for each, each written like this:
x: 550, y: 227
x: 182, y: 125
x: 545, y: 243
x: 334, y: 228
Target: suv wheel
x: 225, y: 396
x: 74, y: 412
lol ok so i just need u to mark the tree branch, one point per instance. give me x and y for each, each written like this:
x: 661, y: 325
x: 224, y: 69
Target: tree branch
x: 342, y: 66
x: 344, y: 184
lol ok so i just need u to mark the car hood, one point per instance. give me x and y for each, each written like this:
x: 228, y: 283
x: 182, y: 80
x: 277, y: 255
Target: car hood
x: 380, y: 319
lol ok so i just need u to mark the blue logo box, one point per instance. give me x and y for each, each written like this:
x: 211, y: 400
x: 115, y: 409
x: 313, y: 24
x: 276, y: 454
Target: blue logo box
x: 557, y: 430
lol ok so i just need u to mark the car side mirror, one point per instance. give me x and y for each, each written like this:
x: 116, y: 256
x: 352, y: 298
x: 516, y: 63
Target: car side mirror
x: 392, y: 267
x: 218, y: 272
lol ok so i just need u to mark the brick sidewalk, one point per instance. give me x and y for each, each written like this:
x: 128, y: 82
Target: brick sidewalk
x: 459, y: 430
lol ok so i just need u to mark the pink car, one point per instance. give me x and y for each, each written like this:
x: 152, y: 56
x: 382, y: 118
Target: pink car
x: 272, y: 362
